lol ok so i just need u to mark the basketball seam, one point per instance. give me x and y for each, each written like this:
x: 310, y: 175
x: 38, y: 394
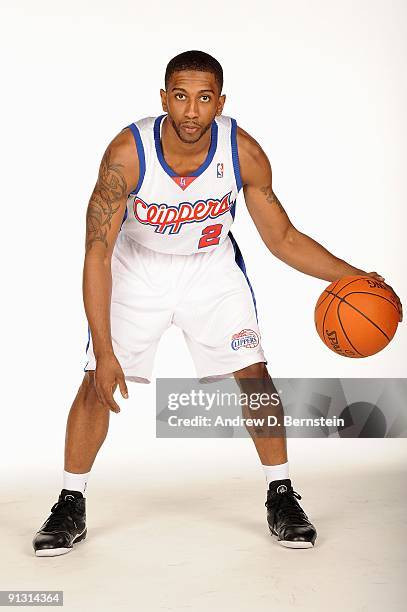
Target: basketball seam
x: 361, y: 313
x: 343, y: 329
x: 326, y: 312
x: 350, y: 282
x: 327, y: 294
x: 376, y: 294
x: 333, y: 299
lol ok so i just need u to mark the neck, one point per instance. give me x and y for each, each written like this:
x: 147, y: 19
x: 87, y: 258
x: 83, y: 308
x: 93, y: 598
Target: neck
x: 173, y: 146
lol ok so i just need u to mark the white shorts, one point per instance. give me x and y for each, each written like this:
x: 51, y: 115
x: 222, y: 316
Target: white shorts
x: 207, y: 295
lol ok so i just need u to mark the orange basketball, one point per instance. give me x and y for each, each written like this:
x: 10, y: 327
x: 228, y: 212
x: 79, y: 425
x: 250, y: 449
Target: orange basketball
x: 356, y: 316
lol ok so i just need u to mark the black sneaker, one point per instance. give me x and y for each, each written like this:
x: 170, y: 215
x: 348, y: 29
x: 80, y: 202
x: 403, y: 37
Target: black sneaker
x: 286, y: 519
x: 65, y: 526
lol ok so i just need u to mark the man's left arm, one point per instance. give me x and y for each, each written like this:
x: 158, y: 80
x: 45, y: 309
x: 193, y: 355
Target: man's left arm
x: 274, y: 226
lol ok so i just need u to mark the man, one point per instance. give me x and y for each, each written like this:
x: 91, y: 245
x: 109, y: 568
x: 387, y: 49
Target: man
x: 159, y: 250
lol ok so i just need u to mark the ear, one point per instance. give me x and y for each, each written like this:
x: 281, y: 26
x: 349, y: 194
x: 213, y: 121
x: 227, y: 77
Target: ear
x: 221, y: 104
x: 163, y: 95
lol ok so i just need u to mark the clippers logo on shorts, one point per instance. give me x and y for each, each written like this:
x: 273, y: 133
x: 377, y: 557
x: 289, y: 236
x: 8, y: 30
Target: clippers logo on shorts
x: 247, y: 338
x: 162, y: 215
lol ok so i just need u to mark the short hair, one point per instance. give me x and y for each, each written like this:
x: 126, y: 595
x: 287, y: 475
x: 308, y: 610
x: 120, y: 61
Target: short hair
x: 195, y: 60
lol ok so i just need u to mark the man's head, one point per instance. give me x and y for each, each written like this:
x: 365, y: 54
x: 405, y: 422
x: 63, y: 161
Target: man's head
x: 192, y: 96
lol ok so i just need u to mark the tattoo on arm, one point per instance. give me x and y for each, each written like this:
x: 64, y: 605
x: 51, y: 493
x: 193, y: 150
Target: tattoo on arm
x: 271, y: 196
x: 111, y: 187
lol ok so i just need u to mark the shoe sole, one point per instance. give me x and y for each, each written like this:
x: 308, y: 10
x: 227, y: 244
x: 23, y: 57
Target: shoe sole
x: 54, y: 552
x: 291, y: 543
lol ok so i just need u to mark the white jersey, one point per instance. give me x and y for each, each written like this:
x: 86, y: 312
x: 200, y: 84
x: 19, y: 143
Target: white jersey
x: 176, y: 214
x: 175, y: 261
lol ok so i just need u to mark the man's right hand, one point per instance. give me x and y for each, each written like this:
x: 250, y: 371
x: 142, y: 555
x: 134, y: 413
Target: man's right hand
x: 108, y: 375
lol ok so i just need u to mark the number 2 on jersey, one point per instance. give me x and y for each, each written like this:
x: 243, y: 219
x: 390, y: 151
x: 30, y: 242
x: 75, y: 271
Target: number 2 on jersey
x: 210, y: 235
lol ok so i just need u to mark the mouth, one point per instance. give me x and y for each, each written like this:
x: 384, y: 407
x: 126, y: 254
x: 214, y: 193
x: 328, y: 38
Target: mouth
x: 190, y: 128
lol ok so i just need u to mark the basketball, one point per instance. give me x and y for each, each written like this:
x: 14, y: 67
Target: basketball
x: 356, y: 316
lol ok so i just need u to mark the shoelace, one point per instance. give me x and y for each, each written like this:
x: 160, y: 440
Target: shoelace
x: 59, y: 511
x: 291, y: 509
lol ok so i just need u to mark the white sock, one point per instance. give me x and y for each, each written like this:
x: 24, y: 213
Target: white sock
x: 75, y: 482
x: 276, y: 472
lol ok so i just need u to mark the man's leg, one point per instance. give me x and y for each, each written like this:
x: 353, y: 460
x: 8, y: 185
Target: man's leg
x: 86, y: 428
x: 286, y: 519
x: 272, y: 450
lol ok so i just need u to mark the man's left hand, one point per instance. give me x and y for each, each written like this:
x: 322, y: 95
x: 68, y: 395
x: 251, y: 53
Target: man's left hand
x: 377, y: 276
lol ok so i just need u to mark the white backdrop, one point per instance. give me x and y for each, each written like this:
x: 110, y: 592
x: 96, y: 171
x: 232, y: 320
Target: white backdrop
x: 320, y: 84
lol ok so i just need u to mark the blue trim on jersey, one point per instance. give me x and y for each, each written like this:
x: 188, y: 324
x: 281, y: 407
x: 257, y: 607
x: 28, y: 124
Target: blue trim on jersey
x: 202, y: 167
x: 141, y: 156
x: 240, y: 262
x: 235, y: 154
x: 86, y: 350
x: 233, y: 209
x: 87, y: 346
x: 124, y: 217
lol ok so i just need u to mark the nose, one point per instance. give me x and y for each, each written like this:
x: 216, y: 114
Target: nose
x: 191, y: 111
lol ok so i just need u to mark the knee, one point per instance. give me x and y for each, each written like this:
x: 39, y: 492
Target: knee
x: 88, y: 381
x: 254, y: 370
x: 254, y: 379
x: 88, y: 389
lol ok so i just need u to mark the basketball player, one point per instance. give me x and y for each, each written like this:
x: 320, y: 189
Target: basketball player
x: 159, y: 251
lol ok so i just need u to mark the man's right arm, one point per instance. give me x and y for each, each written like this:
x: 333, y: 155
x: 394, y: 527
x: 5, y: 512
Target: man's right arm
x: 118, y: 176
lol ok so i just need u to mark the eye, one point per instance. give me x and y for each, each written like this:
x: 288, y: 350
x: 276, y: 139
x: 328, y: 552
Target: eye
x: 205, y: 96
x: 179, y: 94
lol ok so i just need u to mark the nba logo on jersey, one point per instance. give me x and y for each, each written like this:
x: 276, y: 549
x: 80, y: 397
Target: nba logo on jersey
x: 219, y: 170
x: 182, y: 181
